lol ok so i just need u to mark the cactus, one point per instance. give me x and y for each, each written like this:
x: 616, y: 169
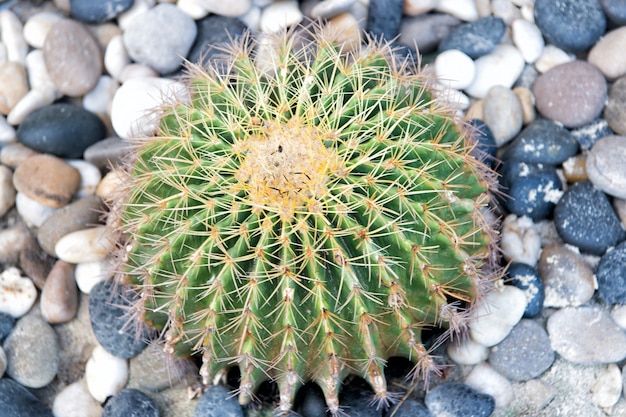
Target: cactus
x: 305, y: 215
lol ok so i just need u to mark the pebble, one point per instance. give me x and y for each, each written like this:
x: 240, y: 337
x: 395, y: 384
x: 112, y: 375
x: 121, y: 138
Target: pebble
x: 616, y: 106
x: 154, y: 370
x: 586, y: 335
x: 572, y: 94
x: 90, y: 177
x: 7, y: 322
x: 461, y: 9
x: 418, y: 7
x: 485, y: 379
x: 280, y: 15
x: 227, y: 8
x: 574, y: 169
x: 17, y: 293
x: 105, y: 374
x: 98, y: 100
x: 59, y: 297
x: 495, y: 315
x: 524, y: 354
x: 73, y: 58
x: 35, y: 263
x: 61, y: 129
x: 38, y: 75
x: 520, y: 241
x: 357, y: 398
x: 11, y: 30
x: 542, y: 142
x: 527, y: 279
x: 327, y: 9
x: 107, y: 153
x: 137, y: 71
x: 13, y: 85
x: 17, y: 401
x: 502, y: 112
x: 37, y: 27
x: 583, y: 205
x: 310, y: 401
x: 88, y: 274
x: 32, y: 212
x: 7, y: 190
x: 130, y: 403
x: 592, y: 132
x: 47, y: 179
x: 86, y: 245
x: 97, y: 12
x: 467, y: 352
x: 607, y: 389
x: 455, y: 399
x: 133, y: 106
x: 214, y: 31
x: 160, y: 37
x: 116, y: 57
x: 411, y: 408
x: 477, y: 38
x: 426, y: 31
x: 216, y: 401
x: 384, y: 18
x: 118, y: 333
x: 611, y: 276
x: 108, y: 188
x: 527, y: 38
x: 573, y: 25
x: 615, y: 10
x: 346, y: 26
x: 3, y: 362
x: 35, y: 99
x: 527, y: 101
x: 7, y: 132
x: 78, y: 215
x: 32, y: 351
x: 501, y: 67
x: 454, y: 69
x: 550, y: 57
x: 486, y: 148
x: 532, y: 190
x: 605, y: 165
x: 13, y: 239
x: 76, y: 401
x: 607, y: 56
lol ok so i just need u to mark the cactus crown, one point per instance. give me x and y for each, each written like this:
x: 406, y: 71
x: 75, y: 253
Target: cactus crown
x: 305, y: 215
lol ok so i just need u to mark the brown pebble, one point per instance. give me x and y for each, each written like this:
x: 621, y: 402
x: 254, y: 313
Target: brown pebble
x: 47, y: 179
x: 13, y: 85
x: 73, y: 58
x: 527, y: 101
x: 574, y: 169
x: 35, y: 263
x: 59, y: 297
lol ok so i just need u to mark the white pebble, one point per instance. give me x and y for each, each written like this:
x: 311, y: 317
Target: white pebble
x: 193, y: 8
x: 461, y: 9
x: 109, y: 186
x: 417, y: 7
x: 133, y: 110
x: 618, y: 314
x: 17, y: 293
x: 3, y: 53
x: 116, y: 57
x: 451, y: 97
x: 106, y: 375
x: 607, y: 389
x: 520, y: 241
x: 37, y: 26
x: 503, y: 67
x: 527, y: 11
x: 505, y: 10
x: 550, y: 57
x: 90, y: 177
x: 279, y: 15
x: 487, y: 380
x: 252, y: 19
x: 227, y: 8
x: 87, y: 245
x: 467, y: 352
x: 76, y: 401
x: 88, y: 274
x: 7, y: 190
x: 528, y: 39
x: 11, y: 29
x: 326, y: 9
x: 98, y: 100
x: 33, y: 100
x: 137, y: 71
x: 454, y: 69
x: 139, y: 6
x: 32, y: 212
x: 38, y: 75
x: 496, y: 314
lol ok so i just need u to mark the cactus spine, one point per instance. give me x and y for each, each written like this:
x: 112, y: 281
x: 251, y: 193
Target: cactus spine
x: 305, y: 215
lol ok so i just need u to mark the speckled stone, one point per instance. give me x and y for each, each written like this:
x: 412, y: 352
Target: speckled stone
x: 542, y: 142
x: 384, y: 17
x: 213, y: 31
x: 217, y: 402
x: 476, y: 38
x: 527, y: 279
x: 457, y: 399
x: 611, y: 276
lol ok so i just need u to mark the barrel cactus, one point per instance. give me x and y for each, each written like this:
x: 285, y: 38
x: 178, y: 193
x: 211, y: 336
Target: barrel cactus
x: 305, y: 215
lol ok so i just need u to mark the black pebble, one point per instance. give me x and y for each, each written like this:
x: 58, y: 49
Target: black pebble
x: 456, y: 399
x: 477, y: 38
x: 527, y: 279
x: 384, y: 18
x: 16, y: 401
x: 130, y: 403
x: 611, y: 276
x: 217, y: 401
x: 542, y: 142
x: 214, y: 31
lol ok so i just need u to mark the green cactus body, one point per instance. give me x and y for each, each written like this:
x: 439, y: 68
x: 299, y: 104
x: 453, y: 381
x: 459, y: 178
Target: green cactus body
x: 305, y: 217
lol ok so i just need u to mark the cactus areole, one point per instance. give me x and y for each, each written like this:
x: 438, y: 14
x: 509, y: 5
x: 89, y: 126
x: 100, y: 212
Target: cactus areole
x: 305, y: 215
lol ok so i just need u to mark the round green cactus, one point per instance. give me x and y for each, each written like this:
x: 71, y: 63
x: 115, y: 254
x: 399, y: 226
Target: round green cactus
x: 305, y: 216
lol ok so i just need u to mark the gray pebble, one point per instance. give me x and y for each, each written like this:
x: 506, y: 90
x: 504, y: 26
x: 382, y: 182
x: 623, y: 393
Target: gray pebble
x: 427, y: 30
x: 217, y: 401
x: 605, y: 165
x: 107, y: 153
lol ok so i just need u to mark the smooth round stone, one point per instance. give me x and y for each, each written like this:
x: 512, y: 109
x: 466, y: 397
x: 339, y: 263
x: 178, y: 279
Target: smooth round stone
x: 148, y: 373
x: 607, y: 389
x: 32, y: 212
x: 587, y: 135
x: 108, y: 189
x: 502, y: 67
x: 574, y: 25
x: 13, y: 240
x: 7, y: 322
x: 330, y: 8
x: 7, y: 190
x: 502, y: 112
x: 32, y: 351
x: 411, y: 408
x: 542, y: 142
x: 13, y: 85
x: 461, y: 9
x: 616, y: 106
x: 17, y: 401
x: 116, y: 57
x: 611, y: 276
x: 456, y: 399
x: 384, y: 18
x: 486, y: 147
x: 280, y: 15
x: 531, y: 190
x: 485, y: 379
x: 572, y: 94
x: 59, y: 297
x: 605, y: 165
x: 76, y: 401
x: 12, y: 38
x: 17, y: 293
x: 47, y: 179
x: 574, y: 168
x: 310, y: 401
x: 467, y: 352
x: 528, y: 39
x: 615, y: 10
x: 426, y: 31
x: 73, y: 58
x: 98, y: 11
x: 105, y: 374
x: 7, y: 132
x: 550, y: 57
x: 76, y: 216
x: 477, y: 38
x: 527, y: 101
x: 524, y: 354
x: 607, y: 54
x: 356, y: 396
x: 496, y: 314
x: 454, y: 69
x: 86, y: 245
x: 35, y: 99
x: 227, y: 8
x: 160, y: 37
x: 90, y: 177
x: 107, y: 153
x: 61, y: 129
x: 520, y: 240
x: 130, y: 403
x: 349, y: 33
x: 88, y: 274
x: 582, y: 206
x: 99, y: 98
x: 217, y: 401
x: 35, y: 263
x: 214, y: 31
x: 37, y: 27
x: 586, y: 335
x: 527, y: 279
x: 115, y: 331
